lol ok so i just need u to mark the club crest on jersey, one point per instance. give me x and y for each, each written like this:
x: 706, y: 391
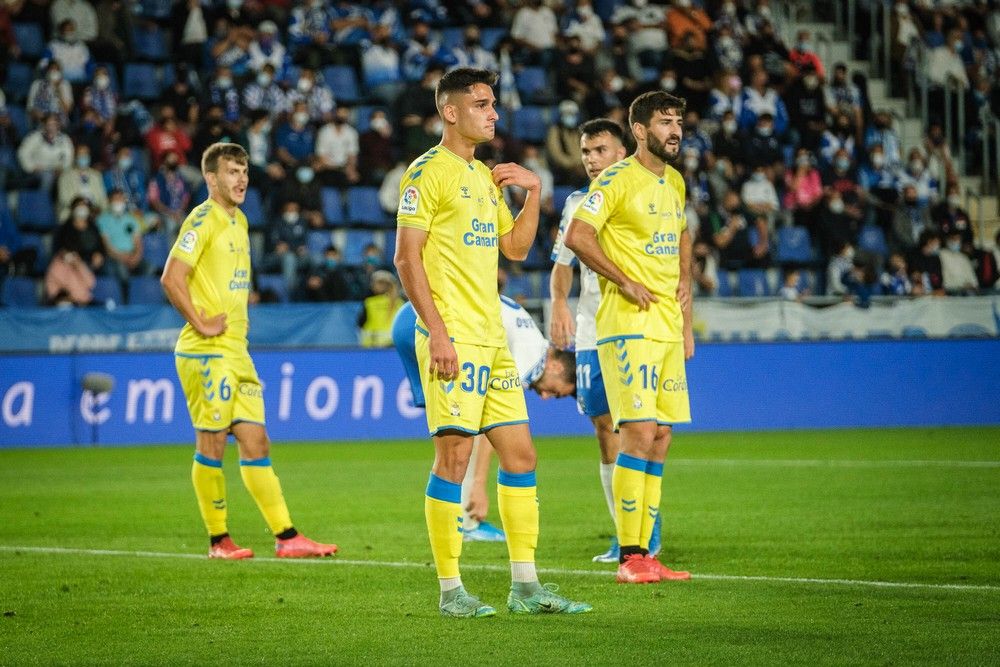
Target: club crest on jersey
x: 493, y: 197
x: 636, y: 402
x: 188, y: 241
x: 465, y: 192
x: 410, y: 200
x: 593, y: 202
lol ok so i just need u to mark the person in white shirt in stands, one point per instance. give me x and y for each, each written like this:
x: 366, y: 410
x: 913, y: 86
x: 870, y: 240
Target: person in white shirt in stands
x: 944, y: 63
x: 46, y: 152
x: 543, y: 368
x: 71, y: 53
x: 80, y: 12
x: 337, y: 151
x: 534, y: 29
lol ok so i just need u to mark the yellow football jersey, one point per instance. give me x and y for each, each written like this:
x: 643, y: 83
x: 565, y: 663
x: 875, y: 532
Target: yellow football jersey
x: 217, y: 248
x: 464, y: 215
x: 639, y: 217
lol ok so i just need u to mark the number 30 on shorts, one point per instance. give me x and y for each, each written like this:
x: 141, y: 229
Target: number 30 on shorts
x: 476, y: 379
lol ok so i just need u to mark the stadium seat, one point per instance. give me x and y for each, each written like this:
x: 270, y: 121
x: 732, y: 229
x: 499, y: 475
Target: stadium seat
x: 871, y: 238
x: 317, y: 242
x: 107, y: 288
x: 530, y: 123
x: 533, y: 85
x: 18, y: 118
x: 267, y: 282
x: 452, y: 37
x: 794, y: 246
x: 490, y: 37
x: 141, y: 81
x: 390, y: 247
x: 343, y: 81
x: 537, y: 257
x: 354, y: 244
x: 725, y: 288
x: 363, y: 207
x: 333, y: 206
x: 155, y: 249
x: 31, y: 39
x: 149, y: 43
x: 253, y: 209
x: 753, y: 282
x: 34, y: 210
x: 518, y: 284
x: 19, y: 78
x: 559, y: 194
x: 19, y: 292
x: 41, y: 244
x: 145, y: 290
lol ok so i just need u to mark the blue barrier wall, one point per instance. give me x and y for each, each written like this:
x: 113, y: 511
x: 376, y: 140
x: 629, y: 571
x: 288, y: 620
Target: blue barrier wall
x: 344, y: 395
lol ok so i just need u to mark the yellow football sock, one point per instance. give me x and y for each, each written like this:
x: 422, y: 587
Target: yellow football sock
x: 517, y: 500
x: 210, y: 490
x: 629, y: 485
x: 654, y: 487
x: 263, y: 485
x: 443, y: 511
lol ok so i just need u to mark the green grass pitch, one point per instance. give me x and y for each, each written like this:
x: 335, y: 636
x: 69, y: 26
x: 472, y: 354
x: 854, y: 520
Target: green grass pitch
x: 829, y: 547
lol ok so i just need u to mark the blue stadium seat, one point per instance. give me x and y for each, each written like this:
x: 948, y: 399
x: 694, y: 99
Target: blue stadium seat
x: 518, y: 284
x: 273, y: 283
x: 38, y: 242
x: 355, y: 243
x: 343, y: 81
x: 753, y: 282
x: 19, y: 78
x: 452, y: 37
x: 34, y: 210
x: 18, y: 118
x: 155, y: 249
x: 149, y: 43
x: 363, y: 116
x: 31, y: 39
x: 490, y: 37
x: 333, y: 206
x: 141, y: 81
x: 871, y: 238
x: 537, y: 257
x: 317, y: 242
x: 253, y: 209
x: 145, y: 290
x: 363, y: 207
x: 559, y: 194
x: 725, y: 288
x: 390, y: 247
x: 533, y: 84
x: 107, y: 288
x: 530, y: 123
x: 19, y: 292
x: 794, y: 246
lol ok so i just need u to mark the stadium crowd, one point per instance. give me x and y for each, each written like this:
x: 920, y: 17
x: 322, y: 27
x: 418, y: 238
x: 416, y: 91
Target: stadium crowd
x: 795, y: 184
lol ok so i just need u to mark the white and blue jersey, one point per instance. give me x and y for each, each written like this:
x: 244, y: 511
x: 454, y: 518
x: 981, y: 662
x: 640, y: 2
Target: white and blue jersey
x: 590, y: 395
x: 527, y: 344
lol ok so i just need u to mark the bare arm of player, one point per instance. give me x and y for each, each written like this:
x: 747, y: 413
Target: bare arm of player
x: 516, y: 243
x: 581, y: 238
x: 410, y: 267
x: 174, y: 281
x: 562, y: 327
x: 684, y: 293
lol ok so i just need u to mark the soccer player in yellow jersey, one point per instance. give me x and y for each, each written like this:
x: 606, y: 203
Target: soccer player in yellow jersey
x: 452, y: 222
x: 631, y: 230
x: 207, y: 278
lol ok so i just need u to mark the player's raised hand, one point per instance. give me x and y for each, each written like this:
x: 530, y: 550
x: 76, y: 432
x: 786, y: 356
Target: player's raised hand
x: 509, y: 173
x: 638, y: 293
x: 212, y: 326
x: 684, y: 294
x: 562, y: 328
x: 444, y: 359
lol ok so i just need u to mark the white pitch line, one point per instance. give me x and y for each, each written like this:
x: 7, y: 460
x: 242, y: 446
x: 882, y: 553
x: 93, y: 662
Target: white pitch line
x: 503, y: 568
x: 835, y: 463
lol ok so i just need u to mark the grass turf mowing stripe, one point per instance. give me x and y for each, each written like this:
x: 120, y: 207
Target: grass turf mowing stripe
x: 504, y: 568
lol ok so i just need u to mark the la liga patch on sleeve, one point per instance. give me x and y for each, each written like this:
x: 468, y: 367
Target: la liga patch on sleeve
x: 188, y: 241
x: 410, y: 200
x: 593, y: 202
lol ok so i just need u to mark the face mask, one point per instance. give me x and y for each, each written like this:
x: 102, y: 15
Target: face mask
x: 379, y: 124
x: 371, y: 260
x: 690, y: 163
x: 83, y: 161
x: 726, y: 42
x: 224, y: 82
x: 843, y: 164
x: 234, y: 4
x: 765, y: 130
x: 264, y: 79
x: 55, y: 76
x: 837, y: 206
x: 569, y: 120
x: 331, y: 262
x: 954, y: 201
x: 305, y: 85
x: 758, y: 176
x: 118, y: 207
x: 102, y: 81
x: 683, y: 4
x: 69, y: 37
x: 291, y: 217
x: 916, y: 166
x: 304, y: 174
x: 878, y: 160
x: 720, y: 168
x: 957, y: 45
x: 729, y: 126
x: 81, y: 212
x: 811, y: 81
x: 803, y: 46
x: 668, y: 83
x: 300, y: 117
x: 729, y: 8
x: 955, y: 246
x: 803, y: 161
x: 585, y: 12
x: 934, y: 250
x: 124, y: 163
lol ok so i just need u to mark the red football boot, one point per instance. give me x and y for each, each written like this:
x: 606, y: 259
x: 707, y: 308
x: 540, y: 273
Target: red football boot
x: 637, y: 569
x: 226, y: 549
x: 301, y: 546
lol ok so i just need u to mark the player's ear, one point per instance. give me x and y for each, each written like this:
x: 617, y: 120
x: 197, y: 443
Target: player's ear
x: 639, y: 130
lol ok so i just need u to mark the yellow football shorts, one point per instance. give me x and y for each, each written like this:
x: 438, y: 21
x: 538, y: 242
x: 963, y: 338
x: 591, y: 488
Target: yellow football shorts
x: 220, y: 391
x: 645, y: 380
x: 486, y: 393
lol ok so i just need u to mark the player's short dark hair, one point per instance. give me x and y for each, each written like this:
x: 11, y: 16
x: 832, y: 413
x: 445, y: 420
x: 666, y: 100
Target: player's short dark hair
x: 643, y: 107
x: 461, y: 79
x: 222, y: 151
x: 568, y: 360
x: 596, y: 126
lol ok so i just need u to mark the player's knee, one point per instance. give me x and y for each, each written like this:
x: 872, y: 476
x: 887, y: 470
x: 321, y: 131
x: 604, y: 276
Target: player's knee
x: 212, y: 445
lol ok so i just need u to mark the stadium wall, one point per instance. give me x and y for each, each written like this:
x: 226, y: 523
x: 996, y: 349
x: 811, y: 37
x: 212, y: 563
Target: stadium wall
x: 363, y: 394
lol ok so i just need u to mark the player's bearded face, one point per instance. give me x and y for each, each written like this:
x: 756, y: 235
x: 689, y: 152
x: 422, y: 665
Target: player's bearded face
x: 663, y: 136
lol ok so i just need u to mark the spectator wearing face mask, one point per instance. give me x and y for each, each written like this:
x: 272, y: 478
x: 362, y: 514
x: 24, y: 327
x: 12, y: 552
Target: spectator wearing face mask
x: 761, y: 147
x: 834, y: 225
x: 731, y: 233
x: 761, y: 99
x: 840, y: 137
x: 80, y: 180
x: 46, y: 152
x: 264, y: 93
x: 72, y: 53
x: 685, y: 19
x: 803, y: 188
x: 267, y: 49
x: 896, y: 277
x: 265, y: 170
x: 726, y: 49
x: 920, y: 178
x: 330, y: 280
x: 50, y: 94
x: 949, y: 216
x: 575, y: 71
x: 78, y: 234
x: 841, y: 262
x: 725, y: 96
x: 380, y: 66
x: 925, y: 261
x: 843, y: 97
x: 880, y: 185
x: 169, y: 194
x: 726, y: 141
x: 882, y: 133
x: 535, y: 29
x: 958, y: 275
x: 121, y: 233
x: 300, y: 185
x: 584, y: 24
x: 123, y: 175
x: 101, y: 100
x: 288, y: 251
x: 313, y: 91
x: 694, y: 71
x: 295, y: 139
x: 337, y: 149
x: 222, y: 92
x: 759, y: 195
x: 376, y: 149
x: 806, y: 109
x: 167, y: 136
x: 911, y: 221
x: 804, y: 58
